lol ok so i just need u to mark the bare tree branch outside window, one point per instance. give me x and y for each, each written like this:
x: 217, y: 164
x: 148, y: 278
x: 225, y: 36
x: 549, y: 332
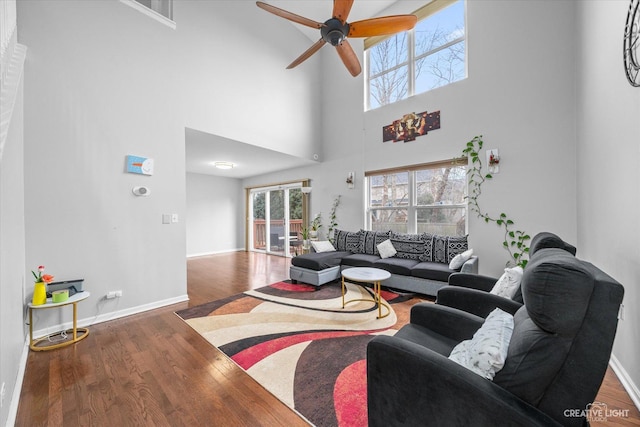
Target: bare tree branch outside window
x: 438, y: 58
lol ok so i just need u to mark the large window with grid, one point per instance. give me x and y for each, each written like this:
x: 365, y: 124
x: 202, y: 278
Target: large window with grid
x: 431, y: 55
x: 415, y: 199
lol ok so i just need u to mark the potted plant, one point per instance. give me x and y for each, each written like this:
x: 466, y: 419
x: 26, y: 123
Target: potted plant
x: 305, y: 237
x: 316, y: 225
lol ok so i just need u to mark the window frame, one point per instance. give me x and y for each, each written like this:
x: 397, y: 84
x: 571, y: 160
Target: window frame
x: 413, y: 207
x: 430, y: 9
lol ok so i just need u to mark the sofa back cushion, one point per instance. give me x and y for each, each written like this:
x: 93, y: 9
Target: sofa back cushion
x: 346, y: 240
x: 369, y: 241
x: 443, y: 248
x: 408, y: 246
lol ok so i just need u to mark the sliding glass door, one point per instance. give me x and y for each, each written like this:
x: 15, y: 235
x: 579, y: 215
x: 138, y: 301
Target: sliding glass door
x: 276, y: 219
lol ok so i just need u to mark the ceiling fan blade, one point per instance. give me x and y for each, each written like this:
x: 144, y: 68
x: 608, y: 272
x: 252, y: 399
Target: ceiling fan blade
x: 349, y: 58
x: 288, y: 15
x: 341, y: 9
x: 382, y: 26
x: 313, y: 49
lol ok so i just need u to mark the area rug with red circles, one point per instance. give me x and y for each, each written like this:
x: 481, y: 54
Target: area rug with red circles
x: 299, y: 343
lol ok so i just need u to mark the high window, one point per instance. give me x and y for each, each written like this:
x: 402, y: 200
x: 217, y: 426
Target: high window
x: 431, y: 55
x: 415, y: 199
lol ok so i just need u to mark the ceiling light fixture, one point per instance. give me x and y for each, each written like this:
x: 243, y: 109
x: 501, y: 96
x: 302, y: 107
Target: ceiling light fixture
x: 224, y: 165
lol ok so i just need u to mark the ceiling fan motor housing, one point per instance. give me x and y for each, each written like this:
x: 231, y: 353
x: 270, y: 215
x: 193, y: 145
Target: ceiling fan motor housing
x: 334, y: 31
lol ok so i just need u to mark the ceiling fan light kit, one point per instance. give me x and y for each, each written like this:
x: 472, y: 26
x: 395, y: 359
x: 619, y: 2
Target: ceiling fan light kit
x: 336, y: 30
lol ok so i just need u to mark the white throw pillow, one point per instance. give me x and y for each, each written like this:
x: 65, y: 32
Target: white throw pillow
x: 486, y: 352
x: 508, y: 283
x: 460, y: 259
x: 386, y: 249
x: 322, y: 246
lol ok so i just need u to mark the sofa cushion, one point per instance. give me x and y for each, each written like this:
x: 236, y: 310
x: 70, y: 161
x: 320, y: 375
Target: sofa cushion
x: 428, y: 247
x: 458, y: 260
x: 432, y: 270
x: 322, y: 246
x: 556, y: 289
x: 369, y: 241
x: 346, y: 240
x: 396, y: 265
x: 445, y: 248
x: 408, y: 246
x: 456, y: 245
x: 546, y: 240
x: 529, y: 349
x: 386, y: 249
x: 319, y: 261
x: 360, y: 260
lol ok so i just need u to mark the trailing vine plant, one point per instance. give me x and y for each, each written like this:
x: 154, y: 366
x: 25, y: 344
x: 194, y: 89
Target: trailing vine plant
x: 333, y: 223
x: 515, y: 241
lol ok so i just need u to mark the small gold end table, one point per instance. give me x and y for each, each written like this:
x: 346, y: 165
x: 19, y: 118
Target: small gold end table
x: 77, y: 334
x: 375, y: 276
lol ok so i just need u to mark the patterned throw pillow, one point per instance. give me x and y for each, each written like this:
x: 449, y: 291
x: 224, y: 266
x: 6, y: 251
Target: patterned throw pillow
x: 428, y: 247
x: 486, y: 352
x: 369, y: 241
x: 346, y: 240
x: 445, y: 248
x: 456, y: 245
x: 408, y: 246
x: 439, y: 251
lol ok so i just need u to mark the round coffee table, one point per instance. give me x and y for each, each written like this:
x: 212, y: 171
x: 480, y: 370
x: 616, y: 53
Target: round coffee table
x: 375, y: 276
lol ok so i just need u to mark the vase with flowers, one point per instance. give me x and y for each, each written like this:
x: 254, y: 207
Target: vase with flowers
x: 40, y: 289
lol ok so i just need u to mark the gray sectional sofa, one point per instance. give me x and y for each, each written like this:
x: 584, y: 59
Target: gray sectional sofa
x: 420, y: 265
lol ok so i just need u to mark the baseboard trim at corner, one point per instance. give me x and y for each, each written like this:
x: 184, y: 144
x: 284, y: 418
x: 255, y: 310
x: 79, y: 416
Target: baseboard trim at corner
x: 17, y: 389
x: 625, y: 380
x: 132, y: 310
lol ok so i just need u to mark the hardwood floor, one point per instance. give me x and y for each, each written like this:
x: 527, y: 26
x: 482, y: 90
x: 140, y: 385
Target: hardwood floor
x: 151, y: 369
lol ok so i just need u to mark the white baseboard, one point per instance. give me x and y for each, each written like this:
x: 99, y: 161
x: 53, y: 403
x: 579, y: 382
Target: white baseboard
x: 112, y: 315
x: 627, y: 382
x: 17, y: 389
x: 226, y: 251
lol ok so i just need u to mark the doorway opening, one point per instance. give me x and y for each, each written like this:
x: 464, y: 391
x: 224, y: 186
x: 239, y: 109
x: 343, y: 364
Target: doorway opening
x: 276, y: 217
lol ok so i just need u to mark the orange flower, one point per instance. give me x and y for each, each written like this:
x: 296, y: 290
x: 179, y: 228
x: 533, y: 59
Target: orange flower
x: 47, y: 278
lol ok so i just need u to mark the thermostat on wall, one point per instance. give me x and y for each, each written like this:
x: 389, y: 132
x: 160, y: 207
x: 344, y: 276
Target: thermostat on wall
x: 141, y: 191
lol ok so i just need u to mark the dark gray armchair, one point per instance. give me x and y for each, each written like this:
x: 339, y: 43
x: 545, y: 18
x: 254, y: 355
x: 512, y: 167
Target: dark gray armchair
x: 471, y: 292
x: 557, y: 356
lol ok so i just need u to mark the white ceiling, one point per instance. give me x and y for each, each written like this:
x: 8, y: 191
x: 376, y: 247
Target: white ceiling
x: 202, y: 149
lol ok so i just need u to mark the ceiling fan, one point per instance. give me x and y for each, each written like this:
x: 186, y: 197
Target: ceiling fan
x: 336, y: 30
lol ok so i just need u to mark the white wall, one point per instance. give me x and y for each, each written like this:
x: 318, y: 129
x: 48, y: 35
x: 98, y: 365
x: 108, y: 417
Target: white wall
x: 12, y: 259
x: 104, y: 81
x: 214, y: 214
x: 608, y: 135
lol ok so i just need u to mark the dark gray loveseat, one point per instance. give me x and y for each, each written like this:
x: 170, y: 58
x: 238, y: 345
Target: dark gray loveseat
x: 556, y: 360
x: 420, y: 265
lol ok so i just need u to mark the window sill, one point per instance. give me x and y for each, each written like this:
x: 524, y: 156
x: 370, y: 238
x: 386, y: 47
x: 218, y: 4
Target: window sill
x: 150, y: 13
